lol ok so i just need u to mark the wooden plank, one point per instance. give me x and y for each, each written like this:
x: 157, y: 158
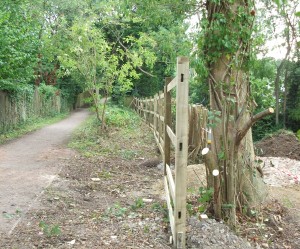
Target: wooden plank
x: 155, y: 112
x: 159, y: 144
x: 167, y: 123
x: 149, y: 111
x: 181, y: 151
x: 170, y: 209
x: 146, y: 112
x: 170, y: 182
x: 172, y: 84
x: 172, y: 136
x: 146, y: 100
x: 162, y: 118
x: 162, y: 95
x: 160, y: 112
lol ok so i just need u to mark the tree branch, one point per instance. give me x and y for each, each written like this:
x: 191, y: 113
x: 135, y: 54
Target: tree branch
x: 217, y: 97
x: 127, y: 51
x: 241, y: 134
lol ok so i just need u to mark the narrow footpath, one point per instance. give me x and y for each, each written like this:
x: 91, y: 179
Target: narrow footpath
x: 29, y: 164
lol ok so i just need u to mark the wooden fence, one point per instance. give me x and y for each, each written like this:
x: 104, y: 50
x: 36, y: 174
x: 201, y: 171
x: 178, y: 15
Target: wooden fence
x: 17, y: 110
x: 158, y: 114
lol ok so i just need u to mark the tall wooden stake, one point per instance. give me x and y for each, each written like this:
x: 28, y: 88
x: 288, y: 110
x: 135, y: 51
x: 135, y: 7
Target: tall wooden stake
x: 181, y: 151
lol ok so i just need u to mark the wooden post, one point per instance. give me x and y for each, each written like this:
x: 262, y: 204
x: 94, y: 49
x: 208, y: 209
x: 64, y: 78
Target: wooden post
x: 168, y: 113
x: 155, y: 114
x: 181, y: 151
x: 152, y: 110
x: 160, y: 113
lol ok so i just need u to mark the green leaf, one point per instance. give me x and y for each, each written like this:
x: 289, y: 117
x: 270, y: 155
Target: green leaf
x: 278, y: 3
x: 297, y: 14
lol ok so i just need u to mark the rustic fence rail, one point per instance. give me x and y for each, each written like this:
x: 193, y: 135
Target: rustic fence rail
x: 187, y: 133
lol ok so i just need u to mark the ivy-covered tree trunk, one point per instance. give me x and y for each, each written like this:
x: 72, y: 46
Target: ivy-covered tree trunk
x: 227, y: 51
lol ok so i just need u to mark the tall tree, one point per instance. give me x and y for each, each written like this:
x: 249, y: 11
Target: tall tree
x: 293, y: 97
x: 280, y: 18
x: 226, y: 47
x: 18, y: 43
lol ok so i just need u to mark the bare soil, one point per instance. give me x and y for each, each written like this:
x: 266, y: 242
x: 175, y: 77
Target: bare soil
x: 281, y: 145
x: 115, y: 199
x: 277, y: 224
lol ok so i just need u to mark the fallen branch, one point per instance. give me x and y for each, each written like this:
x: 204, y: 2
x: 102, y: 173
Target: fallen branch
x: 242, y: 133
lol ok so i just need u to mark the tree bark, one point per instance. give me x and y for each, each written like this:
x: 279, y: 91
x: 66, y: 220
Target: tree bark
x: 232, y: 145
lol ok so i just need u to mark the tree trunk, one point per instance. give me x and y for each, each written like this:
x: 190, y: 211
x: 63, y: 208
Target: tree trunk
x: 227, y: 49
x: 285, y: 96
x: 103, y: 125
x: 277, y: 91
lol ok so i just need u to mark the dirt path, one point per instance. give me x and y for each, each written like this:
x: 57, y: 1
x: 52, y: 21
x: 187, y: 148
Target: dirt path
x: 30, y: 164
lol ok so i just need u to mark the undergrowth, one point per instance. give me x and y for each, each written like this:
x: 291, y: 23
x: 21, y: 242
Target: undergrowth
x: 120, y: 139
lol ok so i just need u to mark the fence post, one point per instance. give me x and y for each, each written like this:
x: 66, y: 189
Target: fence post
x: 181, y: 151
x: 168, y: 116
x: 155, y: 114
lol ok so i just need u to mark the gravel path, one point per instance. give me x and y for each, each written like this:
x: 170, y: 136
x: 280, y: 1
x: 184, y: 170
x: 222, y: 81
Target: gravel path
x: 29, y: 164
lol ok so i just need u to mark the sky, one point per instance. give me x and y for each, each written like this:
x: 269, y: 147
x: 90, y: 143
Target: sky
x: 272, y: 46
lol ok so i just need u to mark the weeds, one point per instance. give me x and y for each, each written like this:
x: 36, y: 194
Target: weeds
x: 116, y: 211
x: 50, y: 231
x: 201, y: 201
x: 17, y: 213
x: 122, y: 117
x: 139, y: 203
x: 105, y: 174
x: 162, y: 208
x: 121, y: 122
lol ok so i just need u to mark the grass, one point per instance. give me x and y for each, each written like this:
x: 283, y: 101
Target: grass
x: 121, y: 139
x: 29, y: 126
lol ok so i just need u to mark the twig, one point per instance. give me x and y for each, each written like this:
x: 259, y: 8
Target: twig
x: 198, y: 177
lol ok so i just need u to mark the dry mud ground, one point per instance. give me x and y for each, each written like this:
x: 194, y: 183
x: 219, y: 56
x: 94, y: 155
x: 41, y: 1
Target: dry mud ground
x: 112, y: 200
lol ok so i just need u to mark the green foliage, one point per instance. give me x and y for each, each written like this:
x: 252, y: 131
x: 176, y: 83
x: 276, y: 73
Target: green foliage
x: 162, y: 208
x: 119, y: 212
x: 85, y: 137
x: 139, y: 203
x: 204, y: 198
x: 218, y: 40
x: 199, y: 92
x: 90, y: 141
x: 262, y: 90
x: 116, y: 211
x: 264, y: 127
x: 205, y: 195
x: 121, y: 117
x: 47, y: 90
x: 19, y: 42
x: 142, y: 37
x: 214, y: 118
x: 17, y: 213
x: 48, y: 230
x: 293, y: 100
